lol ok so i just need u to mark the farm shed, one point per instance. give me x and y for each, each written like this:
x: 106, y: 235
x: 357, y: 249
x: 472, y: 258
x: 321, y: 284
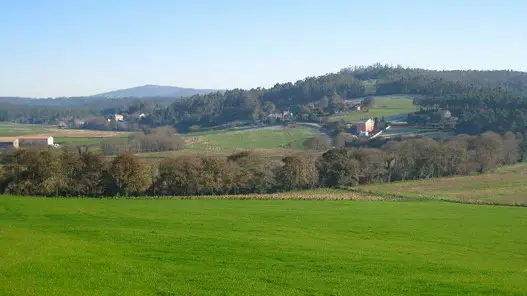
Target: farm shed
x: 35, y: 141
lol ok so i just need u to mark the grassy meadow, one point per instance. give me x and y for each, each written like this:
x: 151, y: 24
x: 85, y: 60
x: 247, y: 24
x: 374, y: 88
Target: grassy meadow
x: 265, y: 138
x: 8, y: 129
x: 272, y: 141
x: 259, y: 247
x: 506, y: 185
x: 383, y: 106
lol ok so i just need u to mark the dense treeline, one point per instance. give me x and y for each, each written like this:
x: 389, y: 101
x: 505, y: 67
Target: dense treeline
x: 70, y: 172
x: 157, y: 139
x: 498, y: 91
x: 508, y: 80
x: 91, y: 111
x: 21, y: 113
x: 483, y: 110
x: 256, y: 104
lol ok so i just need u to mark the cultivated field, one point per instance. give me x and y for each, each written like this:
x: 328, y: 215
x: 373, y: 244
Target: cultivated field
x: 507, y: 185
x: 274, y: 141
x: 259, y: 247
x: 8, y: 129
x: 85, y: 137
x: 383, y: 106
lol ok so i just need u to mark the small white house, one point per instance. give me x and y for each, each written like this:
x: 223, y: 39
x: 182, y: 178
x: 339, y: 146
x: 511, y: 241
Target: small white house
x: 26, y: 142
x: 118, y: 117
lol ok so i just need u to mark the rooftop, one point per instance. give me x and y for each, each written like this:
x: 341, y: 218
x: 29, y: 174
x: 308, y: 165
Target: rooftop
x: 364, y: 120
x: 7, y: 139
x: 11, y: 139
x: 33, y: 137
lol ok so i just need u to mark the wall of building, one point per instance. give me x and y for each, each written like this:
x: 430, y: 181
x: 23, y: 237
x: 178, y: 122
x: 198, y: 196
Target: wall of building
x: 29, y: 142
x: 365, y: 126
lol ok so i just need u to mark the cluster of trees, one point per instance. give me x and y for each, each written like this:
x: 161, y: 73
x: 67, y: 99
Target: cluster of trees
x: 483, y: 110
x: 324, y: 94
x: 157, y: 139
x: 312, y: 98
x: 25, y: 113
x: 70, y: 172
x: 91, y: 111
x: 66, y: 172
x: 509, y: 80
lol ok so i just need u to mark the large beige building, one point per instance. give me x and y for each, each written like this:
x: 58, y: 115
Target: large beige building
x: 8, y: 142
x: 25, y: 142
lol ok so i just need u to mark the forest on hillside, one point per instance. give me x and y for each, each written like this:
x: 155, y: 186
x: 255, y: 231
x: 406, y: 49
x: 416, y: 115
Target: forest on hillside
x: 482, y: 100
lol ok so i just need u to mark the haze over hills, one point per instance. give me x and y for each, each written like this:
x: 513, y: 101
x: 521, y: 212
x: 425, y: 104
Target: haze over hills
x: 155, y: 91
x: 119, y: 97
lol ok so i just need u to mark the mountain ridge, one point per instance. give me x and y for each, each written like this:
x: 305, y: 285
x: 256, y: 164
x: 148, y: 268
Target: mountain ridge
x: 153, y: 90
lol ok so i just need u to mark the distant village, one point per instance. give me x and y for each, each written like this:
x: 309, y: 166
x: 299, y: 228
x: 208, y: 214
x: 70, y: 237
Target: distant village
x: 365, y: 128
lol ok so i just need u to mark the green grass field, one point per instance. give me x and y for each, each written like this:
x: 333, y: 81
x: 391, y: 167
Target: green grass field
x: 246, y: 139
x: 507, y: 185
x: 79, y: 140
x: 259, y: 247
x: 8, y: 129
x: 383, y: 106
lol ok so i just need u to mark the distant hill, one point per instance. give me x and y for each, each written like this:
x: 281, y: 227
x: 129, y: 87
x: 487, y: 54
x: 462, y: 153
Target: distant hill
x: 504, y: 92
x: 155, y: 91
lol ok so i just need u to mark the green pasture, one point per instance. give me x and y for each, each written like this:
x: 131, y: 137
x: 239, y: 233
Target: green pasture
x: 275, y: 137
x: 506, y: 185
x: 8, y: 129
x: 383, y: 106
x: 52, y: 246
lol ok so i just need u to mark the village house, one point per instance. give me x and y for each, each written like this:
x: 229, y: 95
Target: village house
x: 282, y: 116
x: 78, y: 122
x: 62, y: 125
x: 118, y: 117
x: 365, y: 127
x: 35, y: 141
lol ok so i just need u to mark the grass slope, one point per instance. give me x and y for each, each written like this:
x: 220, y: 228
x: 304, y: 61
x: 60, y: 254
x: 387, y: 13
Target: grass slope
x: 273, y: 137
x: 251, y: 247
x: 506, y: 185
x: 8, y: 129
x: 383, y: 106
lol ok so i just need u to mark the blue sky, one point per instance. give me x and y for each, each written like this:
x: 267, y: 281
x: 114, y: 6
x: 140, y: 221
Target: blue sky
x: 73, y: 48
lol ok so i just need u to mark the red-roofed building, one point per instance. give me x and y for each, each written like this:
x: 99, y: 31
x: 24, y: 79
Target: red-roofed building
x: 365, y: 127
